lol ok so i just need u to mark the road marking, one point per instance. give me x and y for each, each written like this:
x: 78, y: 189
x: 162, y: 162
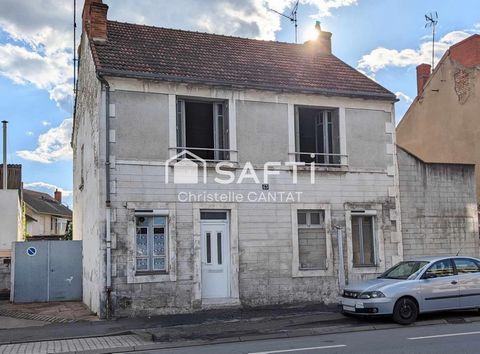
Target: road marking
x: 446, y: 335
x: 301, y: 349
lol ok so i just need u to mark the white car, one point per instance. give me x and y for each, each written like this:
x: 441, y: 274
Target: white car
x: 421, y: 285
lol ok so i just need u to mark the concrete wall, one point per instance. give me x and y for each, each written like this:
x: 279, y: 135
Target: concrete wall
x: 441, y: 125
x: 439, y: 210
x: 264, y: 237
x: 88, y: 192
x: 5, y: 274
x: 148, y: 139
x: 11, y: 230
x: 10, y: 219
x: 261, y: 131
x: 366, y: 138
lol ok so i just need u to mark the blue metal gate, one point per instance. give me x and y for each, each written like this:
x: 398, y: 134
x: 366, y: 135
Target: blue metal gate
x: 44, y: 271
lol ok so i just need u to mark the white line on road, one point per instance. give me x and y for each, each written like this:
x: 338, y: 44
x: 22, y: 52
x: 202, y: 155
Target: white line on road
x: 301, y: 349
x: 446, y: 335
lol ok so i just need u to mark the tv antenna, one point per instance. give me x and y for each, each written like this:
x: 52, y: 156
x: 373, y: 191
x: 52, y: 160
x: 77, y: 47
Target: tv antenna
x: 432, y: 21
x: 292, y: 17
x: 74, y: 46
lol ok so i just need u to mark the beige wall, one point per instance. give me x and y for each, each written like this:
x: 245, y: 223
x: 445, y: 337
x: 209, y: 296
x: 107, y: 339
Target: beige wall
x: 10, y: 220
x: 442, y: 126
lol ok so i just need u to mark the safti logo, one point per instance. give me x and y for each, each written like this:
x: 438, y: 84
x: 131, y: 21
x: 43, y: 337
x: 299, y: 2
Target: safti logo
x: 189, y: 168
x: 186, y: 168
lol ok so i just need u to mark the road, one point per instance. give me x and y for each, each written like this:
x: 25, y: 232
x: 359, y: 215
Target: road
x: 437, y: 339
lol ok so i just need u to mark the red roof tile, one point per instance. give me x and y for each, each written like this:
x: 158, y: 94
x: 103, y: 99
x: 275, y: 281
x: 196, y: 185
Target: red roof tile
x: 176, y: 55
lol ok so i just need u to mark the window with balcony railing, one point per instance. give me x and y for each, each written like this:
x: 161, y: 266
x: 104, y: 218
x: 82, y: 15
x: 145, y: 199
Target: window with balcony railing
x: 317, y: 136
x: 202, y: 129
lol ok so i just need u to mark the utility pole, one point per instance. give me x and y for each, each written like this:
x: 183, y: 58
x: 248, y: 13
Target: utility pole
x: 5, y: 167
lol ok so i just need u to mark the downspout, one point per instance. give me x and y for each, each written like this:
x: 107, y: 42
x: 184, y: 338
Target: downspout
x: 108, y: 236
x: 341, y: 264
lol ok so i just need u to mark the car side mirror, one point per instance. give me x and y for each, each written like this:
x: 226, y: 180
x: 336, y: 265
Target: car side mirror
x: 429, y: 275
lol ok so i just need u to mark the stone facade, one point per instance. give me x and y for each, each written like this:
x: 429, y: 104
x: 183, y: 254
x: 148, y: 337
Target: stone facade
x: 264, y: 250
x: 439, y: 210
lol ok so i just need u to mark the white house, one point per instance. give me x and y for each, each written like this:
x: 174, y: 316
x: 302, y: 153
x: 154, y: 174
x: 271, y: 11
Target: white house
x: 301, y: 191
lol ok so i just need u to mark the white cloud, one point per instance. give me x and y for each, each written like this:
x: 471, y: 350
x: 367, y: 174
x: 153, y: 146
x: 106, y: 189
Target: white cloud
x: 46, y: 123
x: 246, y: 18
x: 325, y: 6
x: 47, y: 72
x: 43, y: 186
x: 29, y: 133
x: 402, y: 96
x: 41, y: 52
x: 381, y: 58
x: 54, y: 145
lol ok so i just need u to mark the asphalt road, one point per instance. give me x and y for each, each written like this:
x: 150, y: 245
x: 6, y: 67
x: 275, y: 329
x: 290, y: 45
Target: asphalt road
x: 437, y: 339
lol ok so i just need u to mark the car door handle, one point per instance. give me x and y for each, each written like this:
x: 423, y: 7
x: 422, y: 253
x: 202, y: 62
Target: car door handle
x: 454, y: 282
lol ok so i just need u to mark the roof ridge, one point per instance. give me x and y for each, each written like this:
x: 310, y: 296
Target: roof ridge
x: 207, y: 33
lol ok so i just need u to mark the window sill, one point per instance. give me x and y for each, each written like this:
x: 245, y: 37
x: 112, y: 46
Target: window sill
x: 315, y: 269
x: 150, y: 277
x: 305, y: 273
x: 357, y: 266
x: 151, y: 272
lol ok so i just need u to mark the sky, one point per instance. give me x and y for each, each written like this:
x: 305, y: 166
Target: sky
x: 384, y: 39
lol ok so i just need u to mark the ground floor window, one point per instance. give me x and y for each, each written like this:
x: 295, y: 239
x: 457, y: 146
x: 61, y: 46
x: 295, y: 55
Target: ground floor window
x: 312, y: 245
x: 151, y: 243
x: 363, y: 240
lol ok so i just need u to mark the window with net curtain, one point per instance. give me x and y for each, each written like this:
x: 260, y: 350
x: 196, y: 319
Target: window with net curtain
x: 363, y: 241
x: 151, y: 244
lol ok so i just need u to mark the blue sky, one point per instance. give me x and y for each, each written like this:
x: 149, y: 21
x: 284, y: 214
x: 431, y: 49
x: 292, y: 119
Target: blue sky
x: 385, y: 39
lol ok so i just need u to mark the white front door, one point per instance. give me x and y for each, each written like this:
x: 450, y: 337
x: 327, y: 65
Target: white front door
x: 215, y: 260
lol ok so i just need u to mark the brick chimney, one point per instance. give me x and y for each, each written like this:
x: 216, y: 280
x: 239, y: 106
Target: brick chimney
x: 423, y: 74
x: 323, y: 43
x: 58, y: 196
x: 94, y: 20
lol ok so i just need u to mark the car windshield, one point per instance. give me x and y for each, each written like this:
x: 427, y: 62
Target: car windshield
x: 404, y: 270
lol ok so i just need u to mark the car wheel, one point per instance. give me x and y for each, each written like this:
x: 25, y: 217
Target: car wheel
x: 405, y: 311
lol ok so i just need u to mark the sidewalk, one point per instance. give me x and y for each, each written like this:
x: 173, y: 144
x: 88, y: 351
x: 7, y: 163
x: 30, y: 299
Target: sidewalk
x: 207, y: 327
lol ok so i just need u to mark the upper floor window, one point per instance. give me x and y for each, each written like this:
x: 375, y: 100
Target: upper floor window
x: 58, y: 226
x: 317, y: 136
x: 202, y: 128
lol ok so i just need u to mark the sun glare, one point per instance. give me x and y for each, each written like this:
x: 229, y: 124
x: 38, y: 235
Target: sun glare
x: 310, y: 34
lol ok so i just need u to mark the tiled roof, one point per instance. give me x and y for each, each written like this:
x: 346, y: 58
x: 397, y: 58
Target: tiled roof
x: 45, y: 204
x: 176, y: 55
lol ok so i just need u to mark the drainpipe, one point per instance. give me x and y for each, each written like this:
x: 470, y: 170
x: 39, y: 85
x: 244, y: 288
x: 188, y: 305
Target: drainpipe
x: 5, y: 167
x: 108, y: 236
x: 341, y: 265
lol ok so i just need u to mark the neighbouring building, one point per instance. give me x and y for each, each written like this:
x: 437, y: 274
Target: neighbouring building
x: 442, y: 124
x: 438, y: 203
x: 157, y: 109
x: 46, y: 216
x: 11, y: 229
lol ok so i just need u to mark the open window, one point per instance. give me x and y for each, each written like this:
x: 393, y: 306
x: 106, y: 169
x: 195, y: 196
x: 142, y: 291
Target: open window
x: 202, y: 128
x: 317, y: 136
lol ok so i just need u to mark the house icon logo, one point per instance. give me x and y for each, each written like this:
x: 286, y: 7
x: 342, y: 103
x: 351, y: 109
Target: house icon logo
x: 186, y: 167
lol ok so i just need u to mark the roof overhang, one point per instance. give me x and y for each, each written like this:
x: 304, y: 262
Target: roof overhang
x: 189, y: 80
